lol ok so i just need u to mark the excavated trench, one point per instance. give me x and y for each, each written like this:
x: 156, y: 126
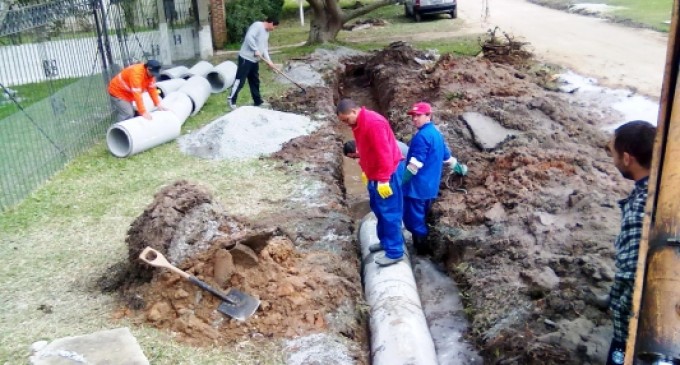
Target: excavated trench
x: 438, y: 293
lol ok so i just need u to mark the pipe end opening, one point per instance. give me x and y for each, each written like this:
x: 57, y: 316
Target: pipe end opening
x: 118, y: 141
x: 216, y: 81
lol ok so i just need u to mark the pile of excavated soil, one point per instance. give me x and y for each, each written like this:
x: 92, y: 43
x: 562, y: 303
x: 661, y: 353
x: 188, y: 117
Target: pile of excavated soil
x: 301, y: 293
x: 530, y: 238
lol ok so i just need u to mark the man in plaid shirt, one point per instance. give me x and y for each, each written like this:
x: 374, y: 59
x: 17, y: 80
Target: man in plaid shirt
x: 631, y: 149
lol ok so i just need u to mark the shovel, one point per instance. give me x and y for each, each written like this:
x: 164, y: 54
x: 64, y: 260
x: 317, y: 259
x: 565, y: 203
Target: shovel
x: 235, y: 303
x: 286, y: 76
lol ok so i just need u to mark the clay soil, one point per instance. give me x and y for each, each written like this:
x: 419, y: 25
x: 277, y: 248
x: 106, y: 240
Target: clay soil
x: 528, y: 239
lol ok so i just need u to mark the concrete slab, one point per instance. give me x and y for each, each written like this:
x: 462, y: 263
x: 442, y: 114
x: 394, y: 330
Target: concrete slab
x: 487, y: 132
x: 110, y: 347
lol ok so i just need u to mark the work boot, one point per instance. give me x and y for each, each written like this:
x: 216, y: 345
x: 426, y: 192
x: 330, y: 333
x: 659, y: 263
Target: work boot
x: 375, y: 247
x: 383, y: 260
x: 421, y: 245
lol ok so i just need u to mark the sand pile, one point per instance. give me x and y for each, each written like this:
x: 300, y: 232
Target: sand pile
x: 246, y: 132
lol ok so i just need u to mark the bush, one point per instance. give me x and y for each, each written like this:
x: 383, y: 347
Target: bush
x: 242, y: 13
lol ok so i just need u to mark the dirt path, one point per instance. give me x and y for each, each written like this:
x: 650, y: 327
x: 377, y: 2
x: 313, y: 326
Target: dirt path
x: 617, y: 56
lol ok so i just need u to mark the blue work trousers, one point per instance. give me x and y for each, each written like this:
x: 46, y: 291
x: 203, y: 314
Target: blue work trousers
x: 389, y: 212
x: 415, y: 215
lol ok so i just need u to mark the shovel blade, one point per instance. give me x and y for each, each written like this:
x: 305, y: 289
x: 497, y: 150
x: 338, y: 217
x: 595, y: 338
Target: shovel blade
x: 239, y: 306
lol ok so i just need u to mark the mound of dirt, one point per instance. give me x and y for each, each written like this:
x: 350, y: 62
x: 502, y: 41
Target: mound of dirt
x: 300, y: 293
x: 156, y: 226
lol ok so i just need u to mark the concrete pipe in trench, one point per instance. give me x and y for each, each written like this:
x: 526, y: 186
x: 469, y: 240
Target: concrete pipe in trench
x: 179, y: 72
x: 168, y: 86
x: 222, y: 76
x: 180, y: 104
x: 198, y: 90
x: 138, y: 134
x: 399, y: 331
x: 201, y: 68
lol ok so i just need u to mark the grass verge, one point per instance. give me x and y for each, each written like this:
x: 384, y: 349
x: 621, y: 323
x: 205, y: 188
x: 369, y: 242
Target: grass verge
x: 651, y: 14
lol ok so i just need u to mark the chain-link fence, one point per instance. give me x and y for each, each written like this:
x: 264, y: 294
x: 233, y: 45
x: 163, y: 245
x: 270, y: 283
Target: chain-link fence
x: 55, y: 62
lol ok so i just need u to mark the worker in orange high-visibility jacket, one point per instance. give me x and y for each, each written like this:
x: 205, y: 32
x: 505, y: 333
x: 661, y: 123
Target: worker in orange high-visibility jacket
x: 129, y: 85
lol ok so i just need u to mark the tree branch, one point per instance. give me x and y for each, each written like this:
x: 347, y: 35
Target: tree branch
x: 365, y: 10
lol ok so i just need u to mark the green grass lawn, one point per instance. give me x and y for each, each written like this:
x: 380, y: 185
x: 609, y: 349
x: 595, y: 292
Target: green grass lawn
x: 649, y: 13
x: 28, y: 94
x: 652, y: 13
x: 60, y: 119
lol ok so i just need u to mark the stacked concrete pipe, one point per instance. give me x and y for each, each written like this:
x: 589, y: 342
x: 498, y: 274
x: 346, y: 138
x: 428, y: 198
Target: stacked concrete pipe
x: 179, y: 72
x: 399, y: 331
x: 138, y: 134
x: 168, y: 86
x: 178, y: 103
x: 198, y: 90
x: 222, y: 76
x: 201, y: 68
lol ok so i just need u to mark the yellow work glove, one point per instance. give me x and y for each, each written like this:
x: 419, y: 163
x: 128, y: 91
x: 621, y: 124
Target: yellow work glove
x: 364, y: 178
x: 384, y: 190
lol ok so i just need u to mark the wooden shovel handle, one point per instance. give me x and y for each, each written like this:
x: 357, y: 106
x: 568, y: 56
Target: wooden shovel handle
x: 158, y: 260
x: 283, y: 74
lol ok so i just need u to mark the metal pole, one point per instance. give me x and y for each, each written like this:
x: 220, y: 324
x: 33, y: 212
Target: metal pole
x: 107, y: 40
x: 654, y: 332
x: 100, y: 43
x: 302, y: 14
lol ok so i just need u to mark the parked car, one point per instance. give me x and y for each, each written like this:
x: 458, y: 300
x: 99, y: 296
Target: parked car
x: 418, y: 8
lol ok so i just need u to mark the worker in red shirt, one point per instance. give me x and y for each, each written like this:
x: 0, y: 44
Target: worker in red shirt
x: 129, y: 85
x: 381, y: 163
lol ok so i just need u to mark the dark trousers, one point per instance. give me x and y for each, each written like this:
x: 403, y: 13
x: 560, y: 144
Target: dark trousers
x: 122, y: 109
x: 415, y: 215
x: 251, y: 71
x: 388, y: 213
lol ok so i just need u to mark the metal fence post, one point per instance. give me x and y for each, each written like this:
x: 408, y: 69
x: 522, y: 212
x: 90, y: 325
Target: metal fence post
x: 102, y: 41
x: 107, y: 55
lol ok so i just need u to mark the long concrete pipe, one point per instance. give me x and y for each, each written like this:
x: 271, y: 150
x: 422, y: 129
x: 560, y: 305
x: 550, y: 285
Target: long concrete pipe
x: 168, y: 86
x: 222, y: 76
x: 180, y: 104
x: 179, y: 72
x: 135, y: 135
x: 201, y: 68
x: 198, y: 90
x: 399, y: 331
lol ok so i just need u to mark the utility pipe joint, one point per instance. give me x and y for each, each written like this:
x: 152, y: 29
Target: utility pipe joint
x: 222, y: 76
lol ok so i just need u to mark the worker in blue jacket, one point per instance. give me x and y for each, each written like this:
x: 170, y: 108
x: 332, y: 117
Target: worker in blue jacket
x: 420, y: 183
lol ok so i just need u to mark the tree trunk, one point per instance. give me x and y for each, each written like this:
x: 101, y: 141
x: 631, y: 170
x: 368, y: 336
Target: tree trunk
x: 329, y: 18
x: 326, y: 22
x: 323, y: 29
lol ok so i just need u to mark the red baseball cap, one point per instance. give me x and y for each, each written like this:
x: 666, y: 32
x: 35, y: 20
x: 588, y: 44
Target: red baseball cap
x: 420, y: 109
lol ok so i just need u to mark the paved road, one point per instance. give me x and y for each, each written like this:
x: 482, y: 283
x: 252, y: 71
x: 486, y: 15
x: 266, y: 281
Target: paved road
x: 616, y: 55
